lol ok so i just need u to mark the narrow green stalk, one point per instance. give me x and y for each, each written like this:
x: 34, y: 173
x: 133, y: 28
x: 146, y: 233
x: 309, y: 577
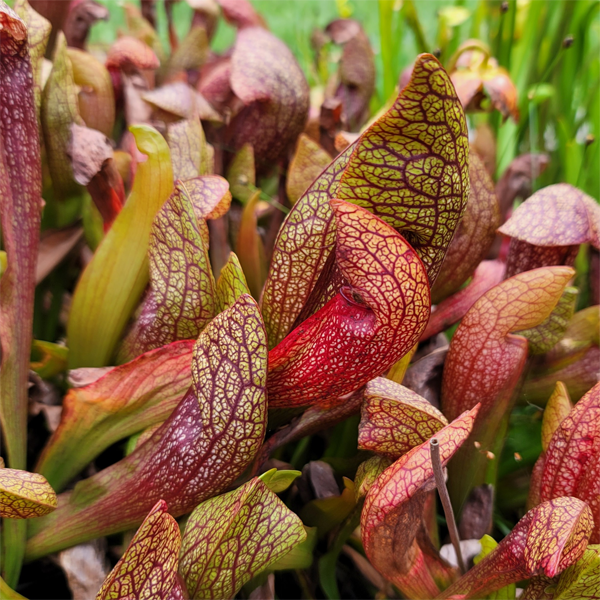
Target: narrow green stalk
x: 410, y: 14
x: 500, y: 35
x: 533, y: 139
x: 328, y: 561
x: 478, y: 18
x: 521, y: 67
x: 508, y: 43
x: 299, y: 455
x: 14, y: 533
x: 386, y: 11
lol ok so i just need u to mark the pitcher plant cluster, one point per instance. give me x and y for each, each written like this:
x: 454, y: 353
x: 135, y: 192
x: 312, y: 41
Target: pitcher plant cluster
x: 257, y: 265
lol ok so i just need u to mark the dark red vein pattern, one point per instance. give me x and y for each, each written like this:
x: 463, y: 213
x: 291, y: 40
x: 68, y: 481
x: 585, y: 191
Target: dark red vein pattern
x: 581, y: 581
x: 483, y: 352
x: 368, y: 472
x: 231, y: 283
x: 24, y: 495
x: 548, y: 539
x: 572, y: 460
x: 20, y: 212
x: 148, y: 568
x: 523, y: 256
x: 488, y: 274
x: 209, y: 195
x: 367, y: 327
x: 181, y: 299
x: 474, y: 234
x: 395, y: 419
x: 548, y: 228
x: 547, y: 334
x: 486, y: 359
x: 304, y: 243
x: 557, y: 215
x: 208, y: 441
x: 411, y: 166
x: 393, y: 510
x: 230, y: 538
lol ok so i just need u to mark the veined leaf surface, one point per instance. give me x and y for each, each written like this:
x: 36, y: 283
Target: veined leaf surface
x: 181, y: 299
x: 148, y: 568
x: 556, y: 410
x: 367, y: 474
x: 547, y: 540
x: 578, y: 372
x: 574, y: 360
x: 209, y: 194
x: 207, y: 442
x: 557, y: 215
x: 20, y: 210
x: 395, y: 419
x: 112, y: 283
x: 583, y: 331
x: 488, y: 274
x: 231, y: 283
x: 409, y: 168
x: 474, y: 234
x: 486, y: 359
x: 230, y: 538
x: 303, y: 245
x: 307, y: 164
x: 38, y: 32
x: 20, y: 189
x: 581, y: 581
x: 190, y: 152
x: 488, y: 544
x: 544, y: 336
x: 549, y: 226
x: 25, y: 495
x: 558, y: 407
x: 126, y: 400
x: 366, y: 328
x: 572, y: 461
x: 393, y: 511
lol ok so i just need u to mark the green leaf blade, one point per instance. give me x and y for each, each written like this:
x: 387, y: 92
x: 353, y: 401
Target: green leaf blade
x: 231, y: 538
x: 112, y: 283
